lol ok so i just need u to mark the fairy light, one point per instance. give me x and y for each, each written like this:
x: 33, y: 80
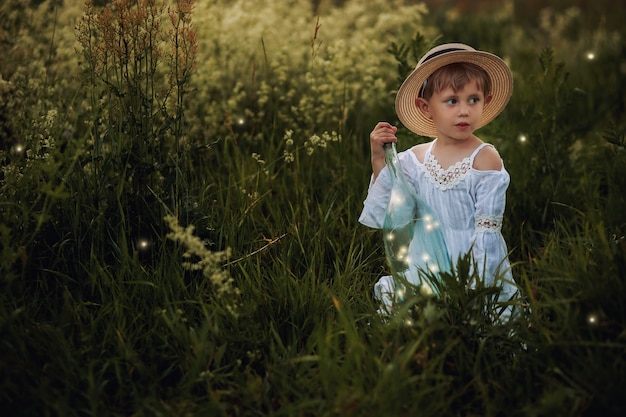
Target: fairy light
x: 18, y: 148
x: 591, y: 56
x: 425, y: 257
x: 143, y: 244
x: 522, y: 138
x: 397, y: 198
x: 592, y: 319
x: 390, y: 236
x: 430, y: 223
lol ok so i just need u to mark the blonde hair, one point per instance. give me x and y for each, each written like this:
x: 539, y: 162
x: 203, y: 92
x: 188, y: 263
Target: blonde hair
x: 456, y: 76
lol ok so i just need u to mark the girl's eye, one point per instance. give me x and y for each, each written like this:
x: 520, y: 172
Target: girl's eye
x: 451, y: 101
x: 474, y: 100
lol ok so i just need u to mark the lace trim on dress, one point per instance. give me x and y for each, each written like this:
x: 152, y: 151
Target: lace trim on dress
x: 492, y: 224
x: 445, y: 179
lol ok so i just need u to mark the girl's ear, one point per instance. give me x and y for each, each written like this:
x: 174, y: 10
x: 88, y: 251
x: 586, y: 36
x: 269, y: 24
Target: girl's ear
x: 488, y: 99
x: 422, y: 105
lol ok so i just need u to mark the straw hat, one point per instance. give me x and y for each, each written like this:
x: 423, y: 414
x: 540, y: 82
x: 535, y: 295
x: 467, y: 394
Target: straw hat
x: 449, y: 53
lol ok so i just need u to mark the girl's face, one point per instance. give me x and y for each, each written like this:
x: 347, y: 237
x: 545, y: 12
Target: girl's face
x: 456, y: 114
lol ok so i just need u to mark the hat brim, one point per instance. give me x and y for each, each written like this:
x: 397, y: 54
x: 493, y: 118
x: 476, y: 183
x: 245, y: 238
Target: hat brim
x: 501, y: 88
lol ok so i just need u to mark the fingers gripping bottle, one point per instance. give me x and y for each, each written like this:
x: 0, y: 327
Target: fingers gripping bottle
x: 414, y: 244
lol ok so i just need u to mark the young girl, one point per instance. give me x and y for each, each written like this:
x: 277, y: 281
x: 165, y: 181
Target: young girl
x: 453, y: 91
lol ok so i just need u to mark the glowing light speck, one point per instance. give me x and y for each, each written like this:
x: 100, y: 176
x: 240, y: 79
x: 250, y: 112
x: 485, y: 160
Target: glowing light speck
x: 19, y: 148
x: 397, y: 198
x: 389, y: 236
x: 591, y: 55
x: 592, y: 319
x: 522, y: 138
x: 143, y: 244
x: 402, y: 251
x: 425, y: 257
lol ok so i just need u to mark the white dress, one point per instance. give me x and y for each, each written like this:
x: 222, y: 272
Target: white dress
x: 469, y: 204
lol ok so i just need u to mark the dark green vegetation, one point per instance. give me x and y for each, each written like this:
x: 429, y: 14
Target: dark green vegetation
x: 266, y: 306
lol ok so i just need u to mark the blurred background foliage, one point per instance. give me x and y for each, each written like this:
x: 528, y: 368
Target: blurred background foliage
x: 245, y: 124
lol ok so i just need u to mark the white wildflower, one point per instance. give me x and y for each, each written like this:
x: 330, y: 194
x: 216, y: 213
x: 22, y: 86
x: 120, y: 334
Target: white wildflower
x: 314, y: 140
x: 288, y: 138
x: 210, y: 263
x: 258, y: 158
x: 289, y: 157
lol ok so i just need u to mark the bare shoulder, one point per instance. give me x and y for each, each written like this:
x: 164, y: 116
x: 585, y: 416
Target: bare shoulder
x: 488, y: 159
x: 420, y: 151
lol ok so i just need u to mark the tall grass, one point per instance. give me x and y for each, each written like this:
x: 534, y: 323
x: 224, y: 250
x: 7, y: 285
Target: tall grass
x: 183, y: 240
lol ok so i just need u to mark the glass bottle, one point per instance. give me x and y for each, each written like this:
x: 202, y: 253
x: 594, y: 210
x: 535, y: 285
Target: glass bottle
x: 414, y: 244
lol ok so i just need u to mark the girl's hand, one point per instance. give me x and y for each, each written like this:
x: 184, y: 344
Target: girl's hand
x: 383, y: 133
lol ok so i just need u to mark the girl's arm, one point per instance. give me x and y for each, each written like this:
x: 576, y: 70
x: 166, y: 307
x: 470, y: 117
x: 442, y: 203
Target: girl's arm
x: 489, y: 248
x: 488, y: 159
x: 383, y: 133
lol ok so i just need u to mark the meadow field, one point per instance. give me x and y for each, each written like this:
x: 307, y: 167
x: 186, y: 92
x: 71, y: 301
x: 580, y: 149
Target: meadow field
x: 180, y: 186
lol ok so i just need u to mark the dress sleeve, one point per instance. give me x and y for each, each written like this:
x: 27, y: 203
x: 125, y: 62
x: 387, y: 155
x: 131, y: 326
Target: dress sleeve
x: 489, y: 248
x: 379, y: 191
x: 375, y: 204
